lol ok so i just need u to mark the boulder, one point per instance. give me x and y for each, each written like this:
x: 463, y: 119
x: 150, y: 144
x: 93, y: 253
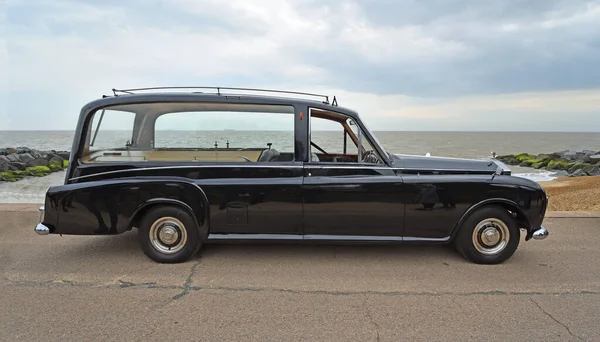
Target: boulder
x: 55, y: 163
x: 569, y: 155
x: 37, y: 162
x: 576, y: 166
x: 592, y: 170
x: 3, y: 167
x: 17, y: 166
x: 3, y: 159
x: 63, y: 154
x: 594, y: 158
x: 578, y: 173
x: 25, y: 157
x: 38, y: 154
x: 21, y: 150
x: 13, y: 157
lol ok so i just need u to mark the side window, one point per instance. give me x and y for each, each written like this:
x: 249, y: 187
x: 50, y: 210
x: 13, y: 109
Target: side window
x: 223, y: 136
x: 110, y: 131
x: 327, y: 135
x: 336, y: 138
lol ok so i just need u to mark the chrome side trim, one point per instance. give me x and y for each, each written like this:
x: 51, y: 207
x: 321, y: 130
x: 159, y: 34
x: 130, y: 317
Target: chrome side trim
x: 245, y: 165
x: 540, y: 234
x: 254, y: 237
x: 319, y: 237
x: 351, y: 238
x: 242, y: 165
x: 418, y: 239
x: 41, y: 229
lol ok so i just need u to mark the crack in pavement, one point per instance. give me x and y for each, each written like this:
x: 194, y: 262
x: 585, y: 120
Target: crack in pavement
x: 555, y: 320
x: 187, y: 287
x: 188, y: 282
x: 368, y: 313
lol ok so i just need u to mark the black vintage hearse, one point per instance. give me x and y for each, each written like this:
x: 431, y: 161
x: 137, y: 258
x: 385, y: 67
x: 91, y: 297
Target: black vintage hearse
x: 189, y: 167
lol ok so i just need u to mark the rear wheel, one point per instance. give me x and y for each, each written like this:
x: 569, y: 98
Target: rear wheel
x: 490, y: 235
x: 169, y: 234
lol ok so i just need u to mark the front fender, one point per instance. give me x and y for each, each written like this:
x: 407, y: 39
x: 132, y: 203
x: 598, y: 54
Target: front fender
x: 110, y: 206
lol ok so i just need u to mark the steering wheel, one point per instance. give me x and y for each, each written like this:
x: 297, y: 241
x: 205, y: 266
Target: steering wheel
x: 370, y: 157
x: 246, y: 158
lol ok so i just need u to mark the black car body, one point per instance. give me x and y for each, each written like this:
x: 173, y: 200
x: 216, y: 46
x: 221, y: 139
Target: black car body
x: 182, y: 197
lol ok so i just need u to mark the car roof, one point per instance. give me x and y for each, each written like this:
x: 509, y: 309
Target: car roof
x: 159, y: 96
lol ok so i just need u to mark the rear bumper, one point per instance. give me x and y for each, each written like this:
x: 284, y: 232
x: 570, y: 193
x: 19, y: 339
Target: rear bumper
x: 40, y: 228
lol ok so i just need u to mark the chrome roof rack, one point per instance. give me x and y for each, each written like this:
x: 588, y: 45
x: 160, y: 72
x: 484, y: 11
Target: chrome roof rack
x: 116, y: 92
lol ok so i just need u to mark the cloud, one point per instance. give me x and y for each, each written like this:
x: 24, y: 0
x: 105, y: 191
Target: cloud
x: 429, y: 62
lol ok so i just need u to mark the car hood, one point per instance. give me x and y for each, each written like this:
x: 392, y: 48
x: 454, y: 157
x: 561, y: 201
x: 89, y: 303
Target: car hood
x: 445, y: 164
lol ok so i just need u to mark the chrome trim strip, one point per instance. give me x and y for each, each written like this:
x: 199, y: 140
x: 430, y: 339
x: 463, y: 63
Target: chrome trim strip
x: 486, y: 172
x: 254, y: 237
x: 351, y: 237
x: 540, y: 234
x: 242, y: 165
x: 418, y: 239
x: 334, y: 166
x: 41, y: 229
x: 319, y: 237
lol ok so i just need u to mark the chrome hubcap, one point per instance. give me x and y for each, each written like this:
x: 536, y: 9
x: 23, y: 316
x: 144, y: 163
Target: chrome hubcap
x: 491, y: 236
x: 168, y: 235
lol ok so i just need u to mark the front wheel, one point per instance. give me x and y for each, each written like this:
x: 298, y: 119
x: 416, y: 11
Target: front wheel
x: 169, y: 234
x: 490, y: 235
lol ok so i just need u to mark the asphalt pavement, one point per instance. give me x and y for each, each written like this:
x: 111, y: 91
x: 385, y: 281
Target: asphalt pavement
x: 75, y: 288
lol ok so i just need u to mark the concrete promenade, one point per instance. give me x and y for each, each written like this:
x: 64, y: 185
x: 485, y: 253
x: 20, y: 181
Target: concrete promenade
x: 76, y: 288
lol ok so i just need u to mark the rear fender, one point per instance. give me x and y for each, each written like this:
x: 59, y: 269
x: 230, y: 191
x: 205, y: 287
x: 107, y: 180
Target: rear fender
x: 112, y: 206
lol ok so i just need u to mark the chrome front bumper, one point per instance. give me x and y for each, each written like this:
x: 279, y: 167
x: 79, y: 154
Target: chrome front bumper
x: 540, y: 234
x: 41, y: 229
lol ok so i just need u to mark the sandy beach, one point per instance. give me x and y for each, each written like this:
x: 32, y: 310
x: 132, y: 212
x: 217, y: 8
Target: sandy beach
x: 573, y: 193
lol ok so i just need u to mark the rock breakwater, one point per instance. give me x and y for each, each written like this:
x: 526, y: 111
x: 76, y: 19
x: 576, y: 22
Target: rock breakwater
x: 20, y: 162
x: 566, y: 163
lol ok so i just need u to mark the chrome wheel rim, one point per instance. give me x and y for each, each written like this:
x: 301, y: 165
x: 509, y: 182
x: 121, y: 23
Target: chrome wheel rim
x: 491, y: 236
x: 168, y: 235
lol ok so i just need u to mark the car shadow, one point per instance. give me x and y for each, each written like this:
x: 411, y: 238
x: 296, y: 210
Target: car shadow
x: 126, y: 246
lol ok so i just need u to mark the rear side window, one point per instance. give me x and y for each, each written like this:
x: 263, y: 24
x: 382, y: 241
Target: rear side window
x: 200, y: 132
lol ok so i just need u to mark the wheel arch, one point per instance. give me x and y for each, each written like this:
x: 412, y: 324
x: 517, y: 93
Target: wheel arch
x: 197, y: 208
x: 510, y: 206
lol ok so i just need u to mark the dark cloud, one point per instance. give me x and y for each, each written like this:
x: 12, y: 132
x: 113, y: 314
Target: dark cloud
x: 513, y: 46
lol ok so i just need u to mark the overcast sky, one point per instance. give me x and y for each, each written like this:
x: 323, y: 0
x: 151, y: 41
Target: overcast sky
x: 404, y: 65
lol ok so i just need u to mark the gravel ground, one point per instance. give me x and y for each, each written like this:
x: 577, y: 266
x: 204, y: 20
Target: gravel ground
x: 573, y: 193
